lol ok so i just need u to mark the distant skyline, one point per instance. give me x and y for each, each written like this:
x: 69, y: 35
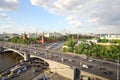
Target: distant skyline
x: 72, y: 16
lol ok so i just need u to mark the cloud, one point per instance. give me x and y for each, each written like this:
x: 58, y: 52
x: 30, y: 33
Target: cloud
x: 98, y: 13
x: 93, y: 20
x: 9, y: 5
x: 76, y: 23
x: 4, y: 16
x: 19, y: 28
x: 5, y: 27
x: 108, y: 29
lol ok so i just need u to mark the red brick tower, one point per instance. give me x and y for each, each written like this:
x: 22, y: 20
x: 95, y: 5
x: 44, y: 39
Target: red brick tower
x: 25, y: 36
x: 43, y: 39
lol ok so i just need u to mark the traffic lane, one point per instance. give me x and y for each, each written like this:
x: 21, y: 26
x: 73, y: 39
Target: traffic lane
x: 95, y: 63
x: 106, y: 64
x: 96, y: 71
x: 92, y: 66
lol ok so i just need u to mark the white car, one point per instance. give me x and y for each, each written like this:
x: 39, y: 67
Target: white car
x: 90, y: 60
x: 85, y: 66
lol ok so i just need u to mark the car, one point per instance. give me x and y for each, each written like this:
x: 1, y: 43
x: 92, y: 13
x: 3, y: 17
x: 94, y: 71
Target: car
x: 106, y: 73
x: 90, y: 60
x: 5, y: 78
x: 105, y: 63
x: 110, y: 73
x: 18, y: 72
x: 2, y: 74
x: 75, y: 56
x: 70, y: 60
x: 36, y: 71
x: 85, y: 66
x: 43, y: 78
x: 101, y: 68
x: 84, y: 57
x: 7, y: 71
x: 10, y: 75
x: 24, y: 68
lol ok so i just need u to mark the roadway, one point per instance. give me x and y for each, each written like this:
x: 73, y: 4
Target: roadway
x: 98, y: 67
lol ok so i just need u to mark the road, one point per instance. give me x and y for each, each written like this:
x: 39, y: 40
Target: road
x: 98, y: 67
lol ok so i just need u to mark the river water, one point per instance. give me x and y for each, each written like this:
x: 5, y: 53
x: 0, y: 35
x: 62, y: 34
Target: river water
x: 8, y: 59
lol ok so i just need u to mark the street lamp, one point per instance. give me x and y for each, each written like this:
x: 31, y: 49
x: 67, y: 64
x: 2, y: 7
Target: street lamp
x: 81, y: 63
x: 118, y: 67
x: 62, y: 59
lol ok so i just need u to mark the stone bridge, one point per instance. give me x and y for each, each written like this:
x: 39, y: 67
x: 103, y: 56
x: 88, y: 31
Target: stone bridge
x: 56, y: 67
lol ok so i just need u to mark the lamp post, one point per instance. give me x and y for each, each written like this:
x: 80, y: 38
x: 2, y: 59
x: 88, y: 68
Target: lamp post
x: 118, y: 66
x: 81, y: 63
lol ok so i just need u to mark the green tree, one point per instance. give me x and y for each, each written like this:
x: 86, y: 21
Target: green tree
x: 104, y: 40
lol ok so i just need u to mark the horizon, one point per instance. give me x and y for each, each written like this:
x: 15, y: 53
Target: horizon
x: 78, y: 16
x: 84, y: 33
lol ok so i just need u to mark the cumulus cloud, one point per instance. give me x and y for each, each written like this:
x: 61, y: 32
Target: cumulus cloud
x: 100, y: 13
x: 9, y: 4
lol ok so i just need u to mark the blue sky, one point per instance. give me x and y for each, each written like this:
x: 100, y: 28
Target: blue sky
x: 73, y: 16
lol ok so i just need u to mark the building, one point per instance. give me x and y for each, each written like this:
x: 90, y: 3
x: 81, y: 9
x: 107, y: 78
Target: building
x: 55, y: 34
x: 34, y: 35
x: 12, y: 35
x: 110, y: 36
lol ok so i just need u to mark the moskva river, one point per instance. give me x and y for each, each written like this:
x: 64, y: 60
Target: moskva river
x: 8, y: 59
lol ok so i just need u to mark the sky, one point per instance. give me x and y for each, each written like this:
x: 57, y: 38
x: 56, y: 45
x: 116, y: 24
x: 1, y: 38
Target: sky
x: 71, y: 16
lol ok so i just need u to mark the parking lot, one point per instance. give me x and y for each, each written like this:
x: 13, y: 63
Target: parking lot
x: 30, y: 68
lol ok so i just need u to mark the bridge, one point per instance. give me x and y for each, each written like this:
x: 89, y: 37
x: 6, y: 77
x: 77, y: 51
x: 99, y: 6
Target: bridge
x: 53, y: 66
x: 63, y: 67
x: 21, y: 53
